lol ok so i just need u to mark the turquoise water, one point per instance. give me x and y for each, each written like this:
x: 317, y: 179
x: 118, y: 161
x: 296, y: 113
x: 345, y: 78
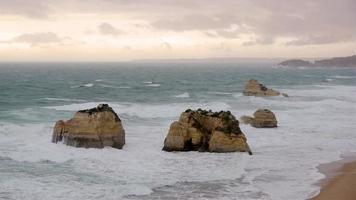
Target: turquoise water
x: 148, y: 97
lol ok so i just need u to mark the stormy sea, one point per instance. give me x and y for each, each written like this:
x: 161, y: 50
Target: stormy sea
x: 316, y: 124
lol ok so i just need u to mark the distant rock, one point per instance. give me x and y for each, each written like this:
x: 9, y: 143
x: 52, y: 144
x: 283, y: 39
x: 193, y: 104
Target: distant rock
x: 349, y: 61
x: 200, y: 130
x: 92, y: 128
x: 296, y: 63
x: 255, y: 88
x: 262, y: 118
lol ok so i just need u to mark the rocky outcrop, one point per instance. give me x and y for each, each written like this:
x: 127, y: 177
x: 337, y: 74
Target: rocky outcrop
x: 255, y: 88
x: 348, y: 61
x: 200, y: 130
x: 263, y: 118
x: 92, y: 128
x: 296, y: 63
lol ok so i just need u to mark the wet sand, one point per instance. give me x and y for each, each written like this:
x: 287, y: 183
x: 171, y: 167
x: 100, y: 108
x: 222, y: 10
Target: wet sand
x: 340, y: 180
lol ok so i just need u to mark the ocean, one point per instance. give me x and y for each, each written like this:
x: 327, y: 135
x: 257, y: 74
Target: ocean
x: 317, y: 125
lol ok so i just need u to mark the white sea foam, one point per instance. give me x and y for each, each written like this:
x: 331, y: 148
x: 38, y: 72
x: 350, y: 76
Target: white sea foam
x: 147, y: 110
x: 314, y: 128
x: 183, y: 95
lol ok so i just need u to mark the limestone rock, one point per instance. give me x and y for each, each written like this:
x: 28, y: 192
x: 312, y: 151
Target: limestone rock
x: 264, y: 118
x: 254, y: 88
x: 92, y: 128
x: 202, y: 130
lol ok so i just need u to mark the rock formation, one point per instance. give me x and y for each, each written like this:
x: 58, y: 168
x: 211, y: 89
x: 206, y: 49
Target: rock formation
x: 263, y: 118
x: 348, y: 61
x: 202, y: 130
x: 92, y: 128
x: 254, y: 88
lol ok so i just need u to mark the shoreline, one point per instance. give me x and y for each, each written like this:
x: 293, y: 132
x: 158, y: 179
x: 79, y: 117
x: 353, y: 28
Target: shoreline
x: 339, y: 181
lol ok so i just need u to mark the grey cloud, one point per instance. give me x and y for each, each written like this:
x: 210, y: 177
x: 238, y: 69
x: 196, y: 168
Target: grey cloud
x: 37, y: 38
x: 307, y: 21
x: 108, y: 29
x: 32, y: 9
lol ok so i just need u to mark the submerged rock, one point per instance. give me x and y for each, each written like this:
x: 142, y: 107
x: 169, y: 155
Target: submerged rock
x: 246, y: 119
x: 255, y: 88
x: 92, y: 128
x: 201, y: 130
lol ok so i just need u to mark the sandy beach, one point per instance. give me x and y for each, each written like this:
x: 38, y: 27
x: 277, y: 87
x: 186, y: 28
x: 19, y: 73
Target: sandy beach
x: 340, y: 180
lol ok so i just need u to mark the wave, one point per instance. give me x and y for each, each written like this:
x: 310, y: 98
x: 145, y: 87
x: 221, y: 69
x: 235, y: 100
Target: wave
x: 113, y: 86
x: 84, y: 85
x: 89, y: 85
x: 220, y: 93
x: 183, y: 95
x: 170, y: 110
x: 63, y: 99
x: 342, y: 77
x: 153, y: 85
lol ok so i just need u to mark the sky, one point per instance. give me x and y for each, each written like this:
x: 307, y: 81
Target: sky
x: 120, y: 30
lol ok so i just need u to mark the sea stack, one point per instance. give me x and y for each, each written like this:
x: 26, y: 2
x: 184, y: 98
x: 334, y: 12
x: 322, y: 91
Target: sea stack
x: 92, y: 128
x: 262, y: 118
x: 201, y: 130
x: 255, y: 88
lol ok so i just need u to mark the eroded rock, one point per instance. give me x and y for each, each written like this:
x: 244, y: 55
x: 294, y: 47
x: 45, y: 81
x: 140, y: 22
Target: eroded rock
x: 92, y: 128
x: 255, y: 88
x: 264, y: 118
x: 201, y: 130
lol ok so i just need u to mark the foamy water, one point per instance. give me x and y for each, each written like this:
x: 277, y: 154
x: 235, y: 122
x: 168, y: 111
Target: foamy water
x: 316, y: 125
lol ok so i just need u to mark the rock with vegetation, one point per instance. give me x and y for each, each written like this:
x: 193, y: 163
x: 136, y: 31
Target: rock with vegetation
x: 201, y: 130
x: 92, y: 128
x: 255, y: 88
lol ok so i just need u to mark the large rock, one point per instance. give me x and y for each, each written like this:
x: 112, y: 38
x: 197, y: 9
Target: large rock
x: 92, y: 128
x: 254, y: 88
x: 202, y: 130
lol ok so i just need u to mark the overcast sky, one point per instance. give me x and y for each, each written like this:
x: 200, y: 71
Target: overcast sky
x: 110, y: 30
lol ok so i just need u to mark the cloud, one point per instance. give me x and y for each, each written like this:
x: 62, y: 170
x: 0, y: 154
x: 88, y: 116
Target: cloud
x: 37, y: 38
x: 108, y: 29
x: 194, y: 22
x: 261, y: 40
x: 319, y: 39
x: 305, y: 21
x: 32, y: 9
